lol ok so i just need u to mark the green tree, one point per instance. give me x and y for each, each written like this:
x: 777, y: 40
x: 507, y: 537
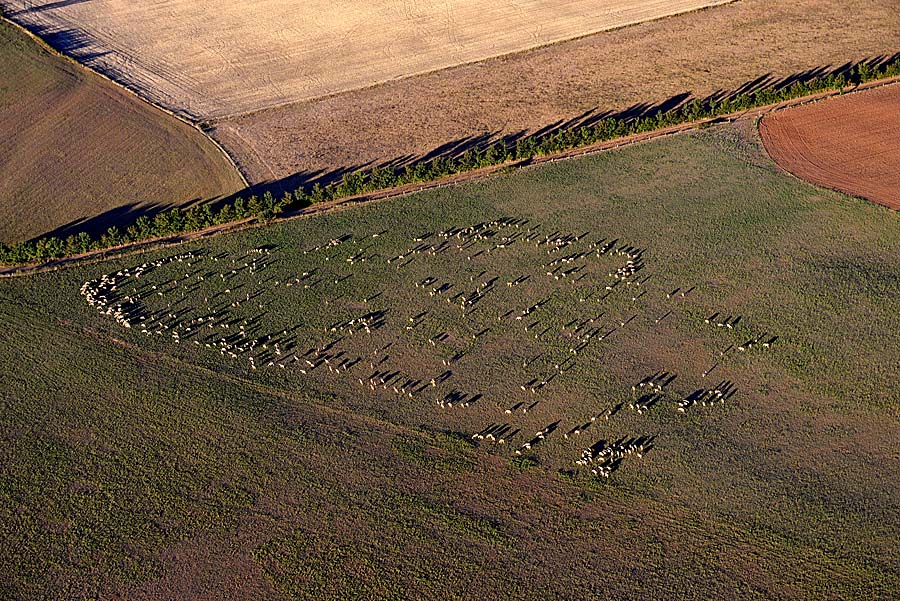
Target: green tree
x: 240, y: 209
x: 254, y: 207
x: 83, y: 242
x: 317, y: 194
x: 225, y: 214
x: 301, y: 199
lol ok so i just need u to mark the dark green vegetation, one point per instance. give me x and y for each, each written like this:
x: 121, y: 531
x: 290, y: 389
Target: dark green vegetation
x: 77, y: 150
x: 149, y: 466
x: 173, y: 221
x: 382, y: 178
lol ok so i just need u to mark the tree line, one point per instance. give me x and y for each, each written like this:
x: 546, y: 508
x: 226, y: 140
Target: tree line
x: 267, y: 207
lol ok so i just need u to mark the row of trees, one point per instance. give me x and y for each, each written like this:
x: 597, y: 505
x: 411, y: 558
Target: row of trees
x: 267, y: 207
x: 167, y: 223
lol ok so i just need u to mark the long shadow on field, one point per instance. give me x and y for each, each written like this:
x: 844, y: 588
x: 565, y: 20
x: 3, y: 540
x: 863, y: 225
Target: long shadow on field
x: 97, y: 225
x: 126, y: 215
x: 31, y: 8
x: 454, y: 149
x: 122, y: 217
x: 67, y: 40
x: 305, y: 179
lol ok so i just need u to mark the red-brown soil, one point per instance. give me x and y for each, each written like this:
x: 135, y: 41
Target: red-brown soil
x: 850, y: 143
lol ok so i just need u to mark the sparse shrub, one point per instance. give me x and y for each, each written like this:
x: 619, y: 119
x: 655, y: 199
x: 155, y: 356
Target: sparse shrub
x: 524, y: 462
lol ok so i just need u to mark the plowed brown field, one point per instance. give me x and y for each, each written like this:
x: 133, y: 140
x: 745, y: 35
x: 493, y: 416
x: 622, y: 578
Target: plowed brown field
x: 75, y: 148
x: 850, y: 143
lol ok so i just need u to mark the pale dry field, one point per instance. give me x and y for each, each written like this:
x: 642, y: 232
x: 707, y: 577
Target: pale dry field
x: 216, y: 58
x: 695, y: 53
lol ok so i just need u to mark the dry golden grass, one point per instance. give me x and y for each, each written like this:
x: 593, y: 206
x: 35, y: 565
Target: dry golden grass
x: 699, y: 52
x: 213, y: 58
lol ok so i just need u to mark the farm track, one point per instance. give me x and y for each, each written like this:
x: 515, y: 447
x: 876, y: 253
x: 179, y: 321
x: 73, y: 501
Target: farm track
x: 394, y: 193
x: 850, y: 144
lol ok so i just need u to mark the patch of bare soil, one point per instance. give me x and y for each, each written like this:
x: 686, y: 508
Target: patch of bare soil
x: 78, y: 151
x: 850, y: 143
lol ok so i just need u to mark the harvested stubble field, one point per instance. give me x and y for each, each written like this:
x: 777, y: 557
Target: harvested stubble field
x: 851, y: 144
x: 211, y: 59
x: 159, y: 460
x: 76, y: 148
x: 721, y: 49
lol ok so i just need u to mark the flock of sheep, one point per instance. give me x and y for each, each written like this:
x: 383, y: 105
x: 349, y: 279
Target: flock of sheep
x: 219, y: 302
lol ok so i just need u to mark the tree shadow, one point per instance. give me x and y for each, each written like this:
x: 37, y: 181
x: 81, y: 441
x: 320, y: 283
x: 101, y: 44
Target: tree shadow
x: 29, y: 7
x: 66, y: 40
x: 454, y: 149
x: 121, y: 217
x: 126, y: 215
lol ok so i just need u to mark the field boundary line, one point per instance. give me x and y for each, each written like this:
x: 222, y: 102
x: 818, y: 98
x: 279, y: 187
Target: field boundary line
x: 446, y: 182
x: 71, y: 60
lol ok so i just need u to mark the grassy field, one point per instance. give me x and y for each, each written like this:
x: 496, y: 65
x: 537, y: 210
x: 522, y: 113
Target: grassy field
x: 157, y: 464
x: 75, y: 148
